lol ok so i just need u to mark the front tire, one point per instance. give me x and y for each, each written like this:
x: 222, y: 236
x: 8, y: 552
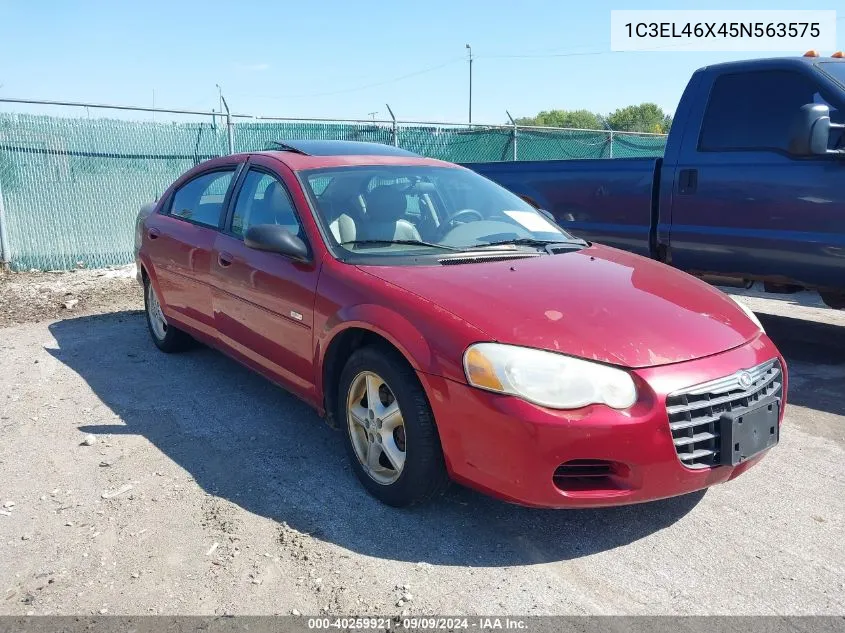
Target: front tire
x: 166, y: 337
x: 389, y: 428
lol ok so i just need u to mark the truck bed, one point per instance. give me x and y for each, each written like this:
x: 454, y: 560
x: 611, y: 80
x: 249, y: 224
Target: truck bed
x: 612, y: 201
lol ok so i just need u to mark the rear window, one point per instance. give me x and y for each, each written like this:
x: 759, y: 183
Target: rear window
x: 834, y: 69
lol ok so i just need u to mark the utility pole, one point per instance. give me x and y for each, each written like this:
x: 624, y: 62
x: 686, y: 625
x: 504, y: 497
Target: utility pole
x: 469, y: 48
x: 372, y: 115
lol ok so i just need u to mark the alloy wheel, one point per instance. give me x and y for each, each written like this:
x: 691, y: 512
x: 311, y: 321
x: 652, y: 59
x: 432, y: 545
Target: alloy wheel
x: 376, y: 427
x: 158, y: 322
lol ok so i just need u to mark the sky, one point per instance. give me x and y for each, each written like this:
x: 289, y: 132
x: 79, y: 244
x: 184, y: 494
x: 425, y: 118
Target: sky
x: 335, y: 59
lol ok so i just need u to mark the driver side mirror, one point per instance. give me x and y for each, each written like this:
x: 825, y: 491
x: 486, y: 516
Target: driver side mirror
x: 810, y: 131
x: 274, y: 238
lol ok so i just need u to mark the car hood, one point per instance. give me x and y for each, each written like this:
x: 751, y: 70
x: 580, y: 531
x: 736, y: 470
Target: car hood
x: 597, y: 303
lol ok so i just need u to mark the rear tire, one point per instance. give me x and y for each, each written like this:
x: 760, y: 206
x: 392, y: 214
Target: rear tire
x: 166, y: 337
x: 392, y: 442
x: 833, y: 300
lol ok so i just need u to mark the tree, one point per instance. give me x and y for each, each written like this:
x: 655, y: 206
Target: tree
x: 646, y: 117
x: 580, y: 119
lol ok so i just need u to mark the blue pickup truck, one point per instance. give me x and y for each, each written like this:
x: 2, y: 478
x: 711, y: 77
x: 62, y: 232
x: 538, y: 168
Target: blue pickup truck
x: 751, y: 186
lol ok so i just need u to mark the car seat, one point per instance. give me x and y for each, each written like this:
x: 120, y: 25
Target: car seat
x: 386, y: 208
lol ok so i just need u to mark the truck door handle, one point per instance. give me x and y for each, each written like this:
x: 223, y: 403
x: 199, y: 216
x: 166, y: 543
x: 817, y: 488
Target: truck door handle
x: 153, y: 233
x: 687, y: 181
x: 224, y: 259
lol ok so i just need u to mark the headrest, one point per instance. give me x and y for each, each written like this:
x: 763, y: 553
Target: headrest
x: 275, y: 197
x: 386, y: 204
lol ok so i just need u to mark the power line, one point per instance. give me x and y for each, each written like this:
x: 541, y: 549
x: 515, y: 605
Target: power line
x: 543, y: 56
x: 364, y: 87
x: 528, y: 55
x: 572, y: 53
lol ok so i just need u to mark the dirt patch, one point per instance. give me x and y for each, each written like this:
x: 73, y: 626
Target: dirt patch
x: 41, y: 296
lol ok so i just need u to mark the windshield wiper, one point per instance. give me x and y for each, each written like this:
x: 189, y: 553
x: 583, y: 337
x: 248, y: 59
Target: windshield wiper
x: 408, y: 242
x: 531, y: 241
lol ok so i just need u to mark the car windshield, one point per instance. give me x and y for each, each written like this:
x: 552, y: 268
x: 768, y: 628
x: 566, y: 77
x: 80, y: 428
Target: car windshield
x: 387, y: 210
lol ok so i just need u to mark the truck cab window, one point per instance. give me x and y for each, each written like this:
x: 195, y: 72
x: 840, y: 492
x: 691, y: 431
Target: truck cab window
x: 753, y: 111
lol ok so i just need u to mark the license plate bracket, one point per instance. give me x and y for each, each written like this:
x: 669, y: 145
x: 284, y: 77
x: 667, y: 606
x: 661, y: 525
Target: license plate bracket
x: 745, y: 434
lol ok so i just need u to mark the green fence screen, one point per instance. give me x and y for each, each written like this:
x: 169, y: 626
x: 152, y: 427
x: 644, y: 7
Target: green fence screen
x: 70, y: 188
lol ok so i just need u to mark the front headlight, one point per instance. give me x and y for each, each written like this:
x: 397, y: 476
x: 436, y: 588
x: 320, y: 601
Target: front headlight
x: 749, y: 312
x: 545, y: 378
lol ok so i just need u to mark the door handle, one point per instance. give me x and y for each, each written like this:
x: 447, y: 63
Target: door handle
x: 224, y: 259
x: 687, y: 181
x: 153, y: 233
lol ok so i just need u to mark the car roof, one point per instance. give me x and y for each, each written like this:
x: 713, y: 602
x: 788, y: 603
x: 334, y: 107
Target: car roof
x: 311, y: 147
x: 310, y: 154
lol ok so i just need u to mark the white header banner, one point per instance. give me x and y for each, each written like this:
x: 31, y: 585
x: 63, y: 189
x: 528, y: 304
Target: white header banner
x: 673, y: 31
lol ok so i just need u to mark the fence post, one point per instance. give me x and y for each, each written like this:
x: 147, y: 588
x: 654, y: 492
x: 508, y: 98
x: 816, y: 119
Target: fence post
x: 230, y: 133
x: 394, y: 130
x: 515, y: 134
x: 5, y: 252
x: 230, y: 130
x: 611, y: 143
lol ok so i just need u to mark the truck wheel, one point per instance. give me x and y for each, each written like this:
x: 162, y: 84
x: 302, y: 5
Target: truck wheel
x: 389, y: 429
x: 781, y: 289
x: 833, y: 300
x: 166, y: 337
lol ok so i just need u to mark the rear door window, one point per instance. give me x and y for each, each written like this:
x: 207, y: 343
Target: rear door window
x: 200, y: 200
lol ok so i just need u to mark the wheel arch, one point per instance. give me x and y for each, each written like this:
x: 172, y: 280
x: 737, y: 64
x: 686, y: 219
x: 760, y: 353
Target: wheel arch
x: 147, y: 273
x: 340, y: 344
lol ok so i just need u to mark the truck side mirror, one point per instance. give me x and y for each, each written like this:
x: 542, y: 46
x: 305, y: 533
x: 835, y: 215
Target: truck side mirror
x: 810, y: 131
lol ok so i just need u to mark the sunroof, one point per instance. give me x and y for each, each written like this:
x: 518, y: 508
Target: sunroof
x: 338, y: 148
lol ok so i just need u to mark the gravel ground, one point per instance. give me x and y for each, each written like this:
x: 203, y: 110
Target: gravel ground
x: 38, y: 296
x: 134, y: 482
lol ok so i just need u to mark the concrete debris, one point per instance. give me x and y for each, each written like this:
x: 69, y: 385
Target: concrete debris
x: 108, y: 494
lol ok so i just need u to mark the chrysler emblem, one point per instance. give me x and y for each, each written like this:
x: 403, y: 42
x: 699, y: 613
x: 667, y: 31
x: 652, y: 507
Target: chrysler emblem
x: 745, y: 380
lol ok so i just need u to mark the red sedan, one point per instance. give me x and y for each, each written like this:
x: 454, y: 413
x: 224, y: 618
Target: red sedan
x: 451, y: 330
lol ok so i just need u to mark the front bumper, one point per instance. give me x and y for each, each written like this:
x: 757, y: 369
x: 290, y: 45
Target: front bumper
x: 512, y: 449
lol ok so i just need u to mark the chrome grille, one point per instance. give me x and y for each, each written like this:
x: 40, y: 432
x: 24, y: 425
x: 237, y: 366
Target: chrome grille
x: 695, y: 412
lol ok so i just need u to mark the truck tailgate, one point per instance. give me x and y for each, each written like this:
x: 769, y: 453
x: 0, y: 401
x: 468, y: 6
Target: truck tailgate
x: 610, y: 201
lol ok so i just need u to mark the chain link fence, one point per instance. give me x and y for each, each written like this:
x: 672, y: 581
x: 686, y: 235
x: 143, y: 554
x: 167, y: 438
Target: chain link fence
x: 71, y: 185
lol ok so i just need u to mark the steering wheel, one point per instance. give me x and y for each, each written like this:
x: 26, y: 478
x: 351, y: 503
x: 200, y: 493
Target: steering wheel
x: 467, y: 214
